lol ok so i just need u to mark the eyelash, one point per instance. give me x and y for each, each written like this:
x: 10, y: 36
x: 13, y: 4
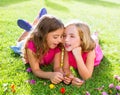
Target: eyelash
x: 72, y: 36
x: 55, y: 37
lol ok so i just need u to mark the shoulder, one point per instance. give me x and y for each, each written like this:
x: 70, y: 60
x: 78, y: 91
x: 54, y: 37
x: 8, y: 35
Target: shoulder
x: 31, y: 46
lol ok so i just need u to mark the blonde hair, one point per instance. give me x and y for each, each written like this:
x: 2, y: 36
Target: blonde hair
x: 46, y: 24
x: 88, y: 43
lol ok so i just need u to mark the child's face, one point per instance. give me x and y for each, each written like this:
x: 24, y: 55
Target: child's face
x: 54, y: 38
x: 71, y: 38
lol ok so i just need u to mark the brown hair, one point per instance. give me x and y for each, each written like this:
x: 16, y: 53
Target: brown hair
x: 46, y: 24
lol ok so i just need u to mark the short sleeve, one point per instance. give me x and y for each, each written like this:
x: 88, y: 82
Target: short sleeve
x: 31, y: 46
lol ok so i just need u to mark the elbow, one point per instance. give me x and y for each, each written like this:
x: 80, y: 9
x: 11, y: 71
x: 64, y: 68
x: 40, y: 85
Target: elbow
x: 87, y: 77
x: 36, y: 72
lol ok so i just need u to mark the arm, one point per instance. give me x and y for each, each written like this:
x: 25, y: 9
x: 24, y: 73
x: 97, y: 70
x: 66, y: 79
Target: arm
x: 57, y: 63
x: 34, y: 63
x: 66, y: 68
x: 85, y: 69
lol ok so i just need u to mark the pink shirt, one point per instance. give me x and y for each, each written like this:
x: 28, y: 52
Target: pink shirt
x: 48, y: 57
x: 98, y: 58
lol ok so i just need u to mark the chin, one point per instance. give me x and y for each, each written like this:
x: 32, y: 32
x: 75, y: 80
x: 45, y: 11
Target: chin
x: 52, y: 47
x: 67, y: 49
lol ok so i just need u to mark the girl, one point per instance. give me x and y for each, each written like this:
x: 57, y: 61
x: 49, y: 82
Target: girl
x: 82, y: 52
x: 27, y: 27
x: 42, y: 48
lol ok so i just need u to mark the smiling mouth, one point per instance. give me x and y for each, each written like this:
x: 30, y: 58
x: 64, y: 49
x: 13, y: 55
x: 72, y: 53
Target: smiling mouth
x: 55, y: 44
x: 67, y: 45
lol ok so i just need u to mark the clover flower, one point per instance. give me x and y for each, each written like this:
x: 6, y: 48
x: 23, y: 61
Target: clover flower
x: 118, y: 88
x: 87, y: 93
x: 116, y: 76
x: 29, y: 70
x: 111, y: 85
x: 104, y: 93
x: 32, y: 81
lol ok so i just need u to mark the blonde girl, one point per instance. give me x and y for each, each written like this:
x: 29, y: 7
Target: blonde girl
x: 81, y: 51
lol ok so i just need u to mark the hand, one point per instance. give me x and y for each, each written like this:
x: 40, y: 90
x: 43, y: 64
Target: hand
x: 77, y: 51
x: 77, y: 82
x: 56, y: 77
x: 68, y: 79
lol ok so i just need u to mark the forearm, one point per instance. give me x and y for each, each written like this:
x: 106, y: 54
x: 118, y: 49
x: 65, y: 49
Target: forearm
x: 58, y: 69
x: 82, y: 69
x: 66, y: 71
x: 42, y: 74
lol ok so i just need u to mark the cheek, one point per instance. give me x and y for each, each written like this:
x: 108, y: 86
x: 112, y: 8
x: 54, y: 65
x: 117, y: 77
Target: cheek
x: 49, y: 41
x: 76, y: 43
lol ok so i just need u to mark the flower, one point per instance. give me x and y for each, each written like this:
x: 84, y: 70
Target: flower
x: 13, y: 88
x: 5, y: 87
x: 117, y: 94
x: 104, y: 93
x: 29, y: 70
x: 116, y: 76
x: 52, y: 86
x: 5, y: 84
x: 111, y: 85
x: 117, y: 87
x: 32, y: 81
x: 62, y: 90
x: 110, y: 91
x: 87, y: 93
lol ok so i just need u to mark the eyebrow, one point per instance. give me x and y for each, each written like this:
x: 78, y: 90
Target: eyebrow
x: 55, y: 35
x: 71, y: 34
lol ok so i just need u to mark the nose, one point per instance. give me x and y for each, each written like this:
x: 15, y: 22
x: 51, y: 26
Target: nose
x: 66, y: 39
x: 60, y: 39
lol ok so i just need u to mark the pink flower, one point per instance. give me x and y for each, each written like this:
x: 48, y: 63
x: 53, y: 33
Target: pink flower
x: 117, y: 94
x: 111, y: 85
x: 116, y: 76
x: 117, y: 87
x: 87, y: 93
x: 104, y: 93
x: 32, y: 81
x: 29, y: 70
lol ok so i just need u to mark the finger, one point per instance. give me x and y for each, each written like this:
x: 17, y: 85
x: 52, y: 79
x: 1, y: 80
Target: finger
x: 67, y: 82
x: 77, y: 83
x: 60, y: 76
x: 58, y: 79
x: 79, y: 80
x: 54, y: 82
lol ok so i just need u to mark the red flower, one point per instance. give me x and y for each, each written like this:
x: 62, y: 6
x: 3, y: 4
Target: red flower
x: 62, y: 90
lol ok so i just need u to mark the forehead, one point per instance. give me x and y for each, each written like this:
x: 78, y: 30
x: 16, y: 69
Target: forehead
x: 57, y: 32
x: 71, y: 29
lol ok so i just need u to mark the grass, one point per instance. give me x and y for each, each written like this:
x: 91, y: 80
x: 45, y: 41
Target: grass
x: 101, y: 15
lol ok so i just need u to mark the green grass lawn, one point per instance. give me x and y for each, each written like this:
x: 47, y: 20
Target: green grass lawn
x: 101, y: 15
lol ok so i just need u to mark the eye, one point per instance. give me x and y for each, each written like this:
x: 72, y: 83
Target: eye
x: 64, y: 35
x: 72, y: 36
x: 55, y: 37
